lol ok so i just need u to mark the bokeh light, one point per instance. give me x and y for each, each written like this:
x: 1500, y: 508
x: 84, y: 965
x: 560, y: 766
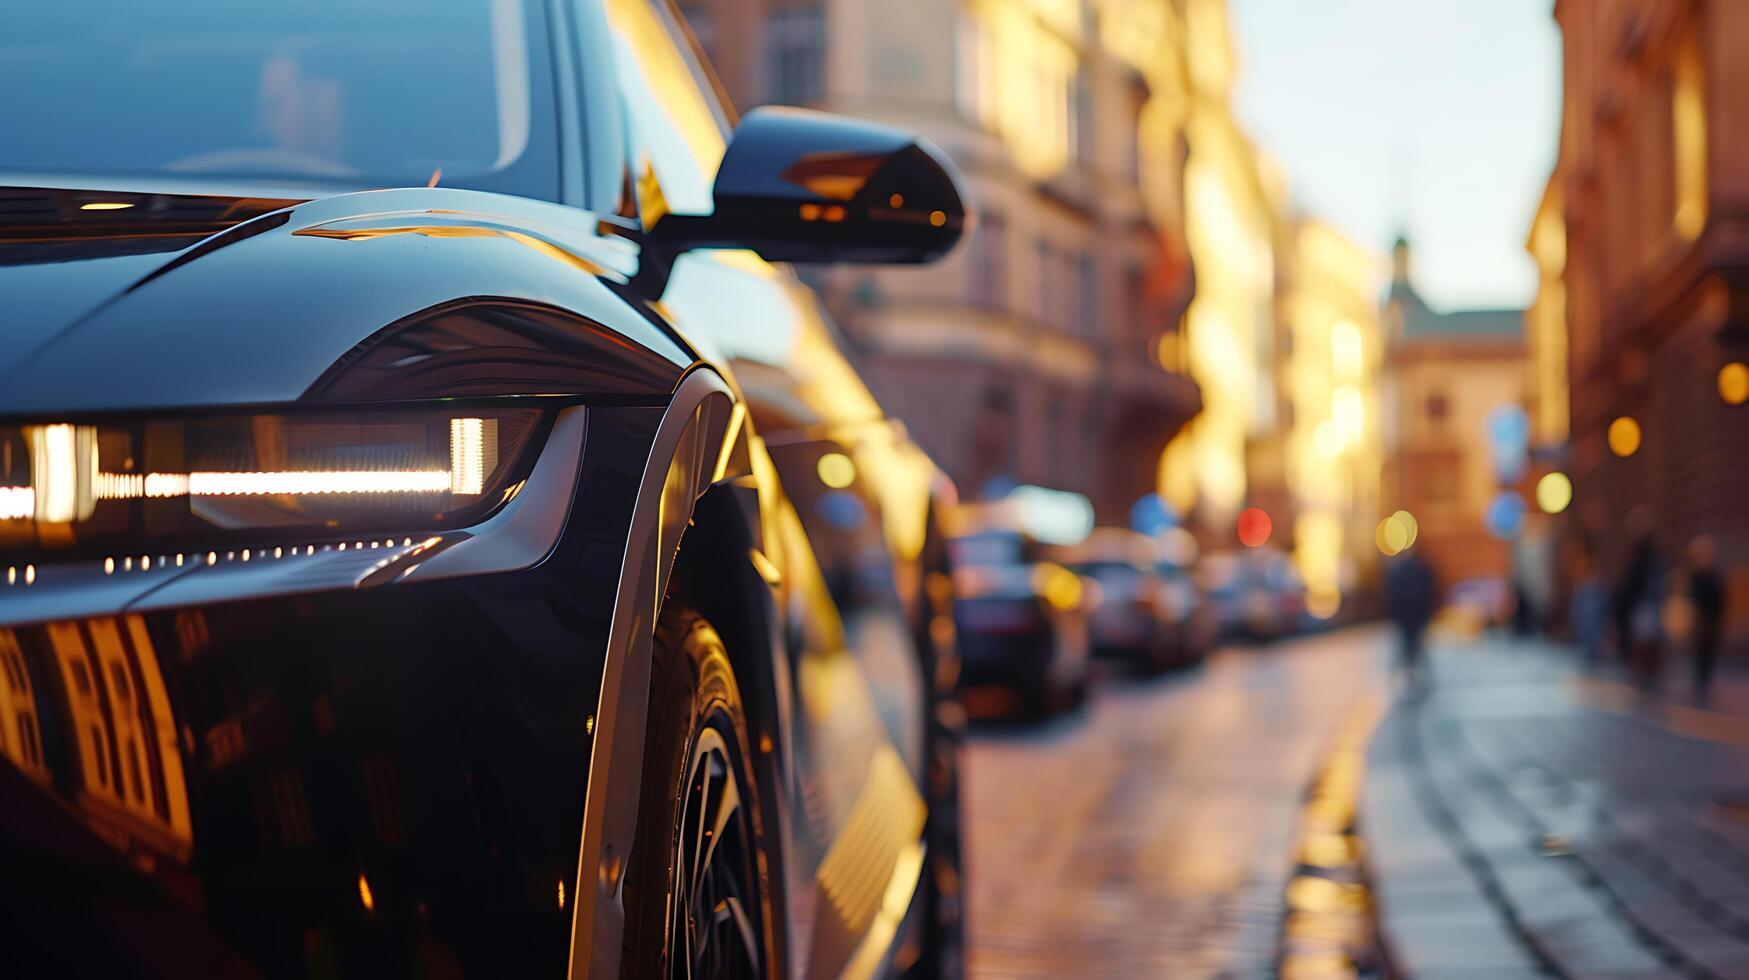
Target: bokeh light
x: 1505, y: 517
x: 1554, y: 492
x: 1057, y: 585
x: 1734, y: 383
x: 1255, y: 527
x: 836, y: 470
x: 1321, y: 604
x: 1397, y: 533
x: 1624, y: 436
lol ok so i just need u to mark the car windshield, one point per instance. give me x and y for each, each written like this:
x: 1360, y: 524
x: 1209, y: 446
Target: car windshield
x: 360, y: 93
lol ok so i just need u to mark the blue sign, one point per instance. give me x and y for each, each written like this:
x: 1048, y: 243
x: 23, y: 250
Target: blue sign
x: 1152, y: 515
x: 1509, y: 441
x: 1505, y: 518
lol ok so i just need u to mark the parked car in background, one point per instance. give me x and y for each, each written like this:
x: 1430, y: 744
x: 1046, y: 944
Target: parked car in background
x: 1023, y: 634
x: 1187, y: 609
x: 1256, y: 594
x: 1143, y: 610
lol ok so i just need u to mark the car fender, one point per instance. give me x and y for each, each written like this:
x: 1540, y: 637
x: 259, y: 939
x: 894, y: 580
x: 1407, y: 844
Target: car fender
x: 702, y: 441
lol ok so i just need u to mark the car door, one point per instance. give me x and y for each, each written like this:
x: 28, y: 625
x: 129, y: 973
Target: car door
x: 853, y: 813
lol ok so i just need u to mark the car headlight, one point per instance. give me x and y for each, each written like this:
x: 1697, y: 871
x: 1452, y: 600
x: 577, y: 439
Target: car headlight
x: 182, y: 483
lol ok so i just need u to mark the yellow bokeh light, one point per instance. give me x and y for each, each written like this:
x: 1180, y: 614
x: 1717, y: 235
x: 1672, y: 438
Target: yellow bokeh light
x: 1057, y: 585
x: 1624, y: 436
x: 1397, y: 533
x: 1389, y: 537
x: 836, y: 470
x: 1734, y: 383
x: 1409, y: 525
x: 1554, y: 492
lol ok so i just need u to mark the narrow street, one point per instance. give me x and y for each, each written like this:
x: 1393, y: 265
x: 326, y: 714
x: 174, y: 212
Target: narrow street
x: 1151, y: 834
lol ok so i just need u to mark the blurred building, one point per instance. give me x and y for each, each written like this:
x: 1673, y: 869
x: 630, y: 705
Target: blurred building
x: 1641, y: 238
x: 1045, y: 349
x: 1545, y: 332
x: 1333, y: 347
x: 1449, y: 377
x: 1231, y: 455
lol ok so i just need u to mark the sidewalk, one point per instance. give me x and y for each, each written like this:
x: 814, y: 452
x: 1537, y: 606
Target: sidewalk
x: 1526, y: 819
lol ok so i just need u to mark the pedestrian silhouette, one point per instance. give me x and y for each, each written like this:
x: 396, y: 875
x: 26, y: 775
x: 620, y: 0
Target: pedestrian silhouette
x: 1637, y: 601
x: 1590, y: 604
x: 1409, y: 598
x: 1706, y: 591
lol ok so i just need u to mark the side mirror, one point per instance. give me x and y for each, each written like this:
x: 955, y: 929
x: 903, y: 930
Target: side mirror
x: 801, y: 186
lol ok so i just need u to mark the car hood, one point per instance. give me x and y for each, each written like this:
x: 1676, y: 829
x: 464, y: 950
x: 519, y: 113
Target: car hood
x: 65, y: 253
x: 192, y: 300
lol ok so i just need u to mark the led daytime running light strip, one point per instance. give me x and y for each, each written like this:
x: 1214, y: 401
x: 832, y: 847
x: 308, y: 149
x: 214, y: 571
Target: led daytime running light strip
x: 68, y: 484
x: 303, y: 483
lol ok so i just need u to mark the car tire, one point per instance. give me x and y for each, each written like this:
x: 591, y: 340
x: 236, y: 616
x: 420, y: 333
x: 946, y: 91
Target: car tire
x: 697, y: 903
x: 941, y: 952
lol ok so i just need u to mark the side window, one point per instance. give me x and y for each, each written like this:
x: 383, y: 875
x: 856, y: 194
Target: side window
x: 678, y: 130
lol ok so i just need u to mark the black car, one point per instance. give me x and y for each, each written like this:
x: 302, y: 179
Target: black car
x: 1023, y: 638
x: 482, y: 575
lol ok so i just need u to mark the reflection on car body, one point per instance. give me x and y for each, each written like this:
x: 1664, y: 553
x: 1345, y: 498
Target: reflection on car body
x: 407, y: 581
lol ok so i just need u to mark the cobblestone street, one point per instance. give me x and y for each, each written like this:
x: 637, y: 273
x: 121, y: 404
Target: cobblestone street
x: 1521, y: 818
x: 1530, y: 819
x: 1151, y: 834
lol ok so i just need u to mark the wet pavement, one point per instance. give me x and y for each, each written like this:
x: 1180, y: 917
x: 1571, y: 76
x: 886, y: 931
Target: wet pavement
x: 1526, y: 818
x: 1152, y: 833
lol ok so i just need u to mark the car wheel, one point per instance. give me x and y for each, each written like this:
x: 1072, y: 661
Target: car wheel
x: 695, y: 896
x: 942, y: 952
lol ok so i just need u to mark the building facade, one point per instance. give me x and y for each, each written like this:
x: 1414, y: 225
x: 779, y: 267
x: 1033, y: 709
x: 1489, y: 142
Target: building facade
x: 1333, y: 351
x: 1450, y: 380
x: 1046, y: 349
x: 1643, y: 238
x: 1230, y: 456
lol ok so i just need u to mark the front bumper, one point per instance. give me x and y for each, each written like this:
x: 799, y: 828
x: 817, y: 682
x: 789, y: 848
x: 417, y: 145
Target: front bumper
x: 361, y: 762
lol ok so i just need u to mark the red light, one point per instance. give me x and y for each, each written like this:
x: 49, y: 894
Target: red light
x: 1254, y: 527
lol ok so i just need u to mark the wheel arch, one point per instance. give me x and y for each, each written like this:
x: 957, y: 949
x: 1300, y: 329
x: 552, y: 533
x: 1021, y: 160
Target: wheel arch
x: 697, y: 532
x: 715, y: 575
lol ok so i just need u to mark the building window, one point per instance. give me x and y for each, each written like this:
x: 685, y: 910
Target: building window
x: 118, y: 682
x: 796, y: 38
x: 1083, y: 121
x: 1688, y: 113
x: 81, y: 679
x: 1137, y: 96
x: 26, y: 723
x: 1045, y: 274
x: 990, y: 262
x: 100, y: 762
x: 1085, y: 315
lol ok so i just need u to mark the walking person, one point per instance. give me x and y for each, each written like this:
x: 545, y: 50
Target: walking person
x: 1637, y: 604
x: 1409, y: 597
x: 1590, y: 605
x: 1706, y: 593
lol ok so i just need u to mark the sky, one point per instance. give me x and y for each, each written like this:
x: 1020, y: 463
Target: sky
x: 1440, y: 117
